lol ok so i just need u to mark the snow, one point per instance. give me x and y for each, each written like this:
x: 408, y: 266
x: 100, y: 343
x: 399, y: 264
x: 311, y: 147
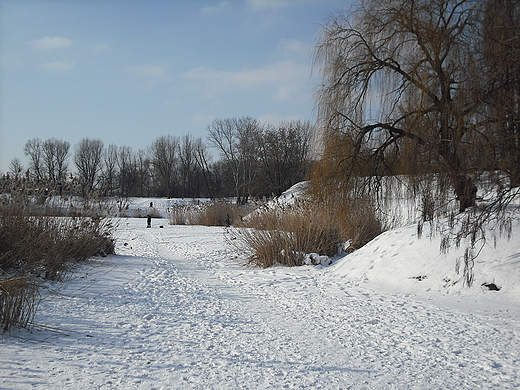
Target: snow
x: 141, y: 207
x: 179, y: 308
x: 397, y: 261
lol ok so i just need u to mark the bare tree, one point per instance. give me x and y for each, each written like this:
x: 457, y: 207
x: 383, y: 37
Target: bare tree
x: 416, y: 57
x: 16, y: 168
x: 223, y: 136
x: 144, y: 172
x: 33, y: 148
x: 237, y: 141
x: 62, y: 154
x: 109, y: 170
x: 165, y: 160
x: 187, y: 165
x: 127, y: 164
x: 88, y: 159
x: 284, y: 156
x: 55, y: 154
x: 249, y: 142
x: 501, y: 70
x: 203, y: 160
x: 400, y: 94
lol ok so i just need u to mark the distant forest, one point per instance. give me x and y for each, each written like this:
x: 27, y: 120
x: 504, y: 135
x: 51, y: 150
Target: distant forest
x: 254, y: 160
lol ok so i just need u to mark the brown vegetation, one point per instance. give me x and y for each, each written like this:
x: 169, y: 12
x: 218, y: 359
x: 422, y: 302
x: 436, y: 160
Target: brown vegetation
x: 208, y: 214
x: 286, y: 234
x: 18, y: 297
x: 35, y: 247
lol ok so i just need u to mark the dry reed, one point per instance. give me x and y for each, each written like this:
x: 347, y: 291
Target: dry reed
x: 18, y: 296
x: 285, y: 235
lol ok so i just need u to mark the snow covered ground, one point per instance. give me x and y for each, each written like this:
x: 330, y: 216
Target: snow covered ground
x: 177, y: 308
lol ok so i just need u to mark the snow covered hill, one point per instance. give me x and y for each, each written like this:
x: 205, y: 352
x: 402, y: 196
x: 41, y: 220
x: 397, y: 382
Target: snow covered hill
x: 398, y: 261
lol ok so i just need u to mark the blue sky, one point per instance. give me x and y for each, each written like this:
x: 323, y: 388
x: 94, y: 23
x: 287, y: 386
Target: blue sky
x: 129, y: 71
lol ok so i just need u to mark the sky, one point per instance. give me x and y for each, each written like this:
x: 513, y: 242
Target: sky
x: 129, y: 71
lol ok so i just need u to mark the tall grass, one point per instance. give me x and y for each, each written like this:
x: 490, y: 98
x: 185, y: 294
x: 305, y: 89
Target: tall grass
x: 208, y: 214
x: 45, y: 246
x: 18, y: 297
x: 35, y: 247
x: 286, y: 235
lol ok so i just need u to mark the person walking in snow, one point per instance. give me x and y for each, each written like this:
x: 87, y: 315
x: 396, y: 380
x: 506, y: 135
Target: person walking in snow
x: 149, y: 220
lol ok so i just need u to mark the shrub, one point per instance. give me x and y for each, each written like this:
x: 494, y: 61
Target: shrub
x: 358, y: 217
x: 208, y: 214
x: 35, y: 246
x: 181, y: 214
x: 220, y: 214
x: 17, y: 302
x: 286, y: 235
x: 46, y: 246
x: 362, y: 225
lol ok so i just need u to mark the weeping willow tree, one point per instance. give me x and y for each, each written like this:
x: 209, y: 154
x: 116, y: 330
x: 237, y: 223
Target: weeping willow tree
x: 501, y: 48
x: 402, y: 94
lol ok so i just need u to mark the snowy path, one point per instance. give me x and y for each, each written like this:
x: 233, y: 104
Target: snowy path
x: 177, y: 310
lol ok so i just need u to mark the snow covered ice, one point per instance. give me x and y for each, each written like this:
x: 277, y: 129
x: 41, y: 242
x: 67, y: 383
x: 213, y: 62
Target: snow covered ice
x: 178, y: 308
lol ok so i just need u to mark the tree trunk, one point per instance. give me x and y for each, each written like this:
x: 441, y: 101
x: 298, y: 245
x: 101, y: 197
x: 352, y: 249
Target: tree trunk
x: 466, y: 191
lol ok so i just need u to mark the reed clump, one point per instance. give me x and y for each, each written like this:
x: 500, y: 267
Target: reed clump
x: 36, y: 247
x: 217, y: 213
x: 18, y: 297
x: 287, y: 234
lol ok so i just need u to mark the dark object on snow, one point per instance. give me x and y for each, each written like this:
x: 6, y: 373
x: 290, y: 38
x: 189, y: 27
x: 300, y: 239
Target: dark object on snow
x: 151, y: 204
x: 491, y: 286
x: 149, y: 220
x: 419, y: 278
x: 161, y: 226
x: 350, y: 249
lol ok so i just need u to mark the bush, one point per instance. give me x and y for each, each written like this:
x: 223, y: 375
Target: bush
x: 17, y: 302
x: 178, y: 214
x: 46, y: 246
x: 36, y: 247
x: 208, y: 214
x: 286, y: 235
x: 362, y: 225
x: 358, y: 217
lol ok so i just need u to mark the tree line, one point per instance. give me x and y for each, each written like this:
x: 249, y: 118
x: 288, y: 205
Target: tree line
x: 254, y: 160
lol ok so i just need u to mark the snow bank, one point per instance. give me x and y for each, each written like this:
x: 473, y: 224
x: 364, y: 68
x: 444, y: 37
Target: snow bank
x: 399, y: 261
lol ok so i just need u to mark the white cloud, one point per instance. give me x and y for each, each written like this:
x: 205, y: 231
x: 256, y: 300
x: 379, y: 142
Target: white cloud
x: 285, y: 92
x: 293, y: 46
x: 275, y: 4
x: 211, y: 10
x: 58, y: 65
x: 285, y: 78
x: 275, y: 119
x: 202, y: 119
x: 150, y: 71
x: 51, y: 43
